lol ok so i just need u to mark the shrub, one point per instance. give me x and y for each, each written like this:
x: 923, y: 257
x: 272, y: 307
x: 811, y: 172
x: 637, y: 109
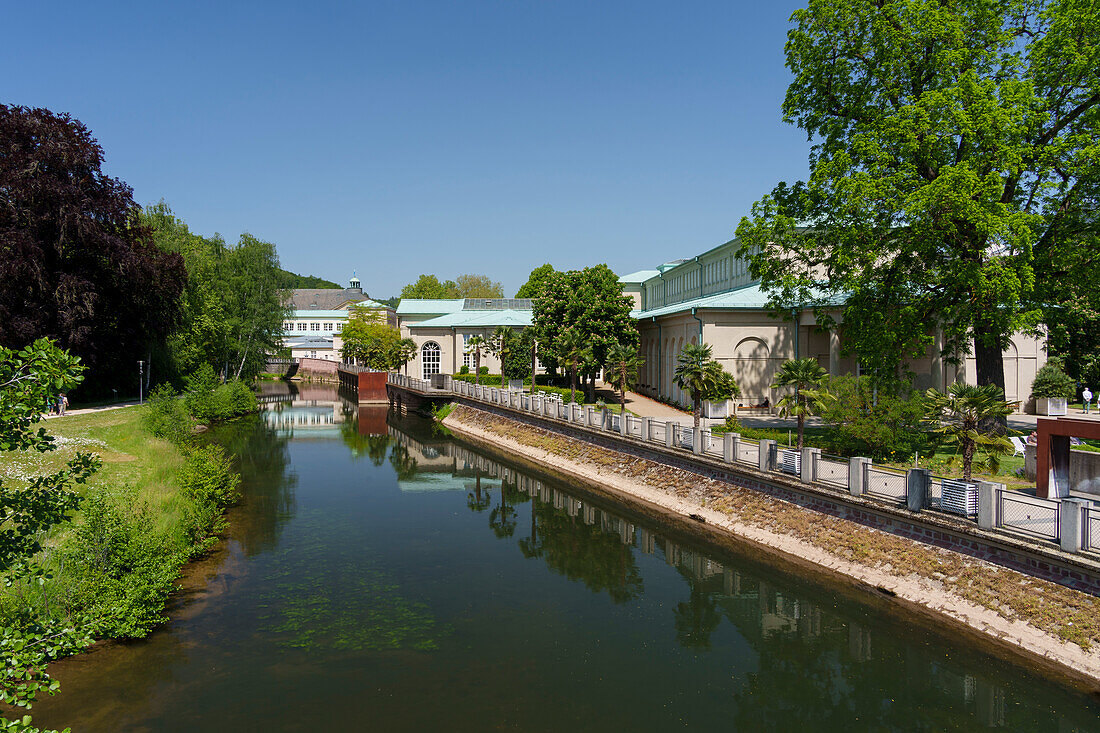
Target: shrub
x: 1052, y: 381
x: 464, y: 369
x: 166, y: 416
x: 209, y: 485
x: 124, y: 569
x: 209, y: 401
x: 877, y: 425
x: 483, y: 370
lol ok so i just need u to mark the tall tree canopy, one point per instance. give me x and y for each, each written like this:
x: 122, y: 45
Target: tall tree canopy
x: 75, y: 264
x: 465, y: 286
x: 591, y: 303
x: 233, y: 306
x: 953, y: 175
x: 531, y: 288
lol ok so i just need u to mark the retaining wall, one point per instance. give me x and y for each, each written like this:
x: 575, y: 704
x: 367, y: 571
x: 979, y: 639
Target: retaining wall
x: 1084, y: 469
x: 1044, y: 561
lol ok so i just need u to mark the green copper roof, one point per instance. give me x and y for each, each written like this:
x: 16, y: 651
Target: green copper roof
x: 478, y: 319
x: 750, y: 297
x: 418, y: 306
x: 639, y: 277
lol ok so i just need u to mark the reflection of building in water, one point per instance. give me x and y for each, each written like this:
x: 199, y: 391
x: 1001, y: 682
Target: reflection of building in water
x: 780, y: 626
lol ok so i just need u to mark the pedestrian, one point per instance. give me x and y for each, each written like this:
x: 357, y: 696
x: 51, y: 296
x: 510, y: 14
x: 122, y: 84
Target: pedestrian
x: 63, y: 403
x: 1086, y: 397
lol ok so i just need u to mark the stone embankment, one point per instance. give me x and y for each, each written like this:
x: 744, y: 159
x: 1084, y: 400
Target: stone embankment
x: 1044, y: 621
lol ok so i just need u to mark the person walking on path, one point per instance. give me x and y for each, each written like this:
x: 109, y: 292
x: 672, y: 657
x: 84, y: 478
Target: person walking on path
x: 62, y: 403
x: 1086, y: 397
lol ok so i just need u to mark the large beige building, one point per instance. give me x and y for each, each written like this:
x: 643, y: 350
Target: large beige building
x: 442, y: 330
x: 712, y: 298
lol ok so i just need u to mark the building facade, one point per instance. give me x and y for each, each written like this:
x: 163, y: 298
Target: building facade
x: 442, y: 330
x: 712, y: 298
x: 319, y: 314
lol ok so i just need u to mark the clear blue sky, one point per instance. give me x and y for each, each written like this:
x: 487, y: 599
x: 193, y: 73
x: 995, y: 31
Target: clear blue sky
x: 404, y: 137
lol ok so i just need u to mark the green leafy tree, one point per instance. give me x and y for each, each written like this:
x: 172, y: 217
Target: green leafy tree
x: 575, y: 353
x: 474, y: 345
x: 478, y: 286
x: 962, y: 410
x: 703, y: 378
x: 590, y: 302
x: 290, y: 281
x: 533, y: 286
x: 809, y: 396
x: 953, y: 173
x: 28, y: 641
x: 404, y: 352
x: 621, y: 370
x: 371, y: 343
x: 428, y: 287
x: 876, y: 422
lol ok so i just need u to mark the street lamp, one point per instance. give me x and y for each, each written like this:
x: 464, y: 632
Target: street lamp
x: 141, y: 372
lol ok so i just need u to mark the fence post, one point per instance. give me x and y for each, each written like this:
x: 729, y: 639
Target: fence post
x: 764, y: 459
x: 856, y: 467
x: 917, y: 483
x: 808, y: 472
x: 987, y: 504
x: 728, y: 451
x: 697, y: 440
x: 624, y: 424
x: 670, y: 433
x: 1070, y: 516
x: 645, y: 429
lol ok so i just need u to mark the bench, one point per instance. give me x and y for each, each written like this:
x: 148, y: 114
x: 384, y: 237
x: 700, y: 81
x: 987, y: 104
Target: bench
x: 752, y: 411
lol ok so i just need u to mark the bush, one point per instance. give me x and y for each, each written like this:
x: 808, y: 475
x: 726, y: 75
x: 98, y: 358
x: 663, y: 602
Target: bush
x: 209, y: 401
x: 483, y: 370
x: 209, y: 485
x: 1052, y: 381
x: 124, y: 569
x: 166, y: 416
x: 882, y: 425
x: 464, y: 369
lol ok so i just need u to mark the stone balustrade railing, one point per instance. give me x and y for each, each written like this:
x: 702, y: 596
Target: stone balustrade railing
x: 1072, y: 524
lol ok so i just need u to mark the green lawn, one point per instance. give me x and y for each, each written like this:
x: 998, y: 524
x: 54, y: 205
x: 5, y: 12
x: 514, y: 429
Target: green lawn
x: 130, y: 457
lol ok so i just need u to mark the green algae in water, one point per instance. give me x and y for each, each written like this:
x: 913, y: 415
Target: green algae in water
x: 318, y: 599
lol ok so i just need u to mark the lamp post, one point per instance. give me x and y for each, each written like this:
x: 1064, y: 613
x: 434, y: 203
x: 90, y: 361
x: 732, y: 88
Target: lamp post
x: 141, y: 372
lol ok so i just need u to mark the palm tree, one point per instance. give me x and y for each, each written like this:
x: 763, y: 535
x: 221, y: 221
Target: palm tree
x: 500, y: 346
x: 963, y: 410
x: 703, y: 378
x: 474, y: 345
x: 574, y: 353
x: 806, y: 376
x: 404, y: 352
x: 622, y: 367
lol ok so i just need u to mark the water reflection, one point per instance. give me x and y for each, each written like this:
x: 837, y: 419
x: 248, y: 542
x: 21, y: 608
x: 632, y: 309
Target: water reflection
x: 815, y: 669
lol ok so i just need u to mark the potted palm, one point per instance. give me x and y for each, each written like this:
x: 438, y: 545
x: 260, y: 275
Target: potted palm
x: 1052, y: 388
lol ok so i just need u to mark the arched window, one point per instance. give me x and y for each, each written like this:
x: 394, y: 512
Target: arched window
x: 429, y: 357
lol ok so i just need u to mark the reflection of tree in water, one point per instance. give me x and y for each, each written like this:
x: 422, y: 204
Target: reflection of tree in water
x: 404, y: 465
x: 696, y: 619
x: 479, y: 499
x: 502, y: 519
x: 582, y: 552
x: 373, y: 447
x: 266, y: 485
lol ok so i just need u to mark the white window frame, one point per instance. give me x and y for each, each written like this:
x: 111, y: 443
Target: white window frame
x: 431, y: 359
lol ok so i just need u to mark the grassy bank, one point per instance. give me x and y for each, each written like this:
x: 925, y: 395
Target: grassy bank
x: 151, y: 507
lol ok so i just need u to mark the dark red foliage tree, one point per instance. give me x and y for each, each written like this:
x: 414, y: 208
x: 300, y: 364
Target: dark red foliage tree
x: 75, y: 265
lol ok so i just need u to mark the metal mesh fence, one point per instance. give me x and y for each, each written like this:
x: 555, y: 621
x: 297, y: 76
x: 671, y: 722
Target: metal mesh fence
x: 1028, y: 515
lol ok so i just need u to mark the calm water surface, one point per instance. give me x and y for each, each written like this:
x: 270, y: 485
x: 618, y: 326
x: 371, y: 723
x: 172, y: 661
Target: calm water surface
x: 383, y: 576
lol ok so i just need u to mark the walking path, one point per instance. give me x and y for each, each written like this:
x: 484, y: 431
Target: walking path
x: 98, y: 408
x: 643, y: 406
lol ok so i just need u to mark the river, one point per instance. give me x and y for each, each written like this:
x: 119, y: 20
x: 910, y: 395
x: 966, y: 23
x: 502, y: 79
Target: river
x: 382, y: 575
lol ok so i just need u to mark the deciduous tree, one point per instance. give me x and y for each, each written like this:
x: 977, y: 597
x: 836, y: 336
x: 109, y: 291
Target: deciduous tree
x: 953, y: 169
x: 75, y: 263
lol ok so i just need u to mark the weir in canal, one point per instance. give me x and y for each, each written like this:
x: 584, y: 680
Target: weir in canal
x: 382, y: 574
